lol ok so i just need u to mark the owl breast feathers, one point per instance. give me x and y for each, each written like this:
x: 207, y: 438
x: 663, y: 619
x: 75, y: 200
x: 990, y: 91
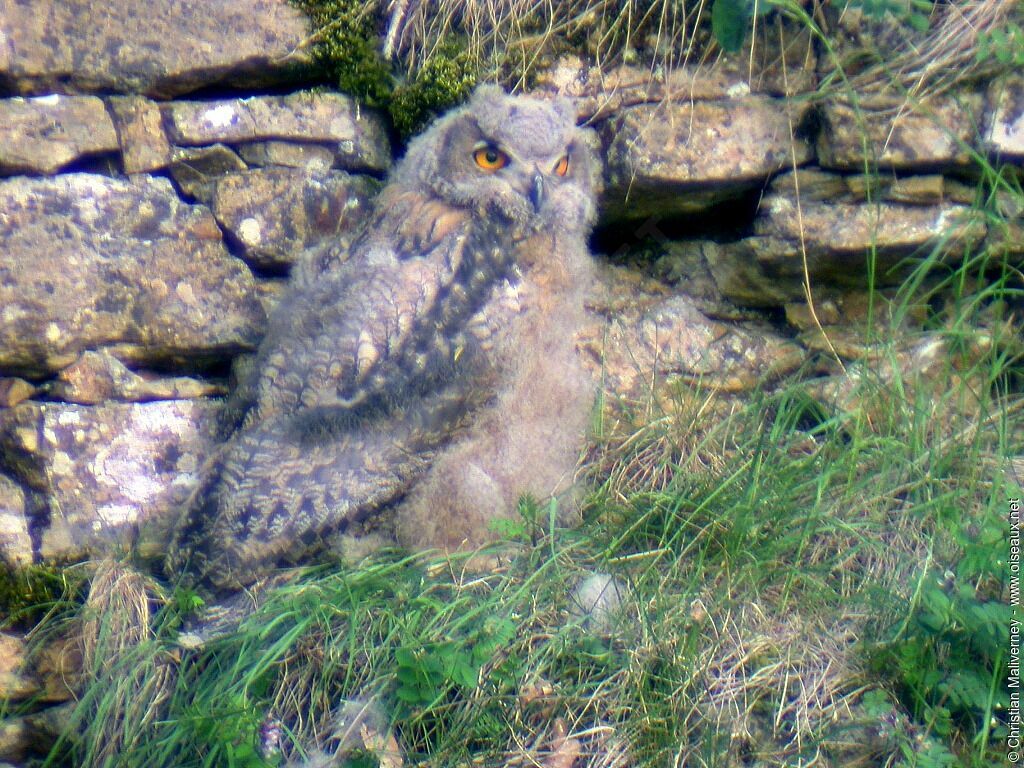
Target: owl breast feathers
x: 426, y: 374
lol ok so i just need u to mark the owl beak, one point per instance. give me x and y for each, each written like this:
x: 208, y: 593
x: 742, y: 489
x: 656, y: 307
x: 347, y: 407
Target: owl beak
x: 537, y: 192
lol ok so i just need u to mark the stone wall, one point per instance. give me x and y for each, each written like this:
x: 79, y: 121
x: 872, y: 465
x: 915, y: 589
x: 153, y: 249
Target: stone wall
x: 145, y: 233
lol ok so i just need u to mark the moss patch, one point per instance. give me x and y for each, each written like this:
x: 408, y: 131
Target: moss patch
x: 444, y: 81
x: 346, y: 48
x: 26, y: 594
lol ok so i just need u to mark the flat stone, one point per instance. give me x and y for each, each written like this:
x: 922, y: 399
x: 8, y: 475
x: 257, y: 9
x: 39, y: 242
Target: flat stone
x: 900, y: 135
x: 97, y: 377
x: 1004, y: 133
x: 140, y: 131
x: 15, y: 541
x: 600, y: 91
x: 287, y: 154
x: 276, y: 213
x: 834, y: 241
x: 104, y: 469
x: 357, y: 136
x: 14, y: 390
x: 656, y: 342
x: 196, y: 169
x: 155, y: 47
x: 44, y: 134
x: 891, y: 229
x: 89, y: 261
x: 683, y: 157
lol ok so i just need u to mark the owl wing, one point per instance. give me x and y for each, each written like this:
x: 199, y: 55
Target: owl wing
x: 385, y: 319
x: 380, y: 326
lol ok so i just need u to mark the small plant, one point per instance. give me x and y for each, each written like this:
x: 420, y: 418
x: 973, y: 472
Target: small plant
x: 946, y: 657
x: 1003, y: 44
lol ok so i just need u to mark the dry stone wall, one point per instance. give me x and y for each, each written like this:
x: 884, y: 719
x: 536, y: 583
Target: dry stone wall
x: 145, y: 229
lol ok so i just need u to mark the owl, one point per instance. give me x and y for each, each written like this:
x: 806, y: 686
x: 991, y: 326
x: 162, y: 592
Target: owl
x: 422, y: 377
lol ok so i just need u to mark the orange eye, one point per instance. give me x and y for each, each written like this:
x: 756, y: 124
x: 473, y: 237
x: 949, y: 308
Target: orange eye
x: 490, y: 158
x: 563, y: 166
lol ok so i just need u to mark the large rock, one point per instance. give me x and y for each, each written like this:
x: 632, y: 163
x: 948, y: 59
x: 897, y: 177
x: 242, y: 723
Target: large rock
x: 44, y: 134
x: 651, y: 340
x: 103, y: 470
x: 832, y: 240
x: 275, y: 213
x: 89, y: 261
x: 684, y: 157
x: 97, y: 377
x: 900, y: 134
x: 156, y: 47
x: 600, y: 91
x: 358, y: 136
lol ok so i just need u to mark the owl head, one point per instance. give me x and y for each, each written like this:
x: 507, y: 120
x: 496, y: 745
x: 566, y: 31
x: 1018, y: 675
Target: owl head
x: 515, y: 158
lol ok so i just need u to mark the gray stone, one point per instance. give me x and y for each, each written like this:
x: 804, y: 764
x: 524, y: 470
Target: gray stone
x: 833, y: 242
x: 893, y: 230
x: 89, y: 261
x: 653, y: 341
x: 358, y: 136
x: 899, y: 134
x: 596, y: 603
x: 196, y: 170
x: 16, y: 679
x: 287, y: 154
x: 97, y: 377
x: 1004, y: 133
x: 683, y: 157
x: 103, y: 470
x: 15, y: 542
x: 275, y: 213
x: 13, y: 390
x: 600, y: 91
x: 140, y: 131
x: 155, y: 47
x: 44, y: 134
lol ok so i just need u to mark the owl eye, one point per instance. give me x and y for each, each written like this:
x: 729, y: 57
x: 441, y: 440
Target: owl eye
x: 562, y: 167
x: 490, y: 158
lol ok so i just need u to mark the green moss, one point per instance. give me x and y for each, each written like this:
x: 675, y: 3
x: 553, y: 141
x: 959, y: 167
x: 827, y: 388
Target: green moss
x: 26, y: 594
x: 346, y: 48
x: 347, y: 51
x: 445, y: 80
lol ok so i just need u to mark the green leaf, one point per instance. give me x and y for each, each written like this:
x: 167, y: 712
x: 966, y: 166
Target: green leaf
x: 464, y: 674
x: 409, y: 695
x: 406, y: 657
x: 876, y: 703
x: 730, y: 20
x: 919, y: 22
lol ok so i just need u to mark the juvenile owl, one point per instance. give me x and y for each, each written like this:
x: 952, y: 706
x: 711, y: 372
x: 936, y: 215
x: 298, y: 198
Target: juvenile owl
x: 425, y: 374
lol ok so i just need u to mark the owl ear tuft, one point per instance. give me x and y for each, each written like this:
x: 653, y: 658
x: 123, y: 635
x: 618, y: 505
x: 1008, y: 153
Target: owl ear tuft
x: 486, y: 96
